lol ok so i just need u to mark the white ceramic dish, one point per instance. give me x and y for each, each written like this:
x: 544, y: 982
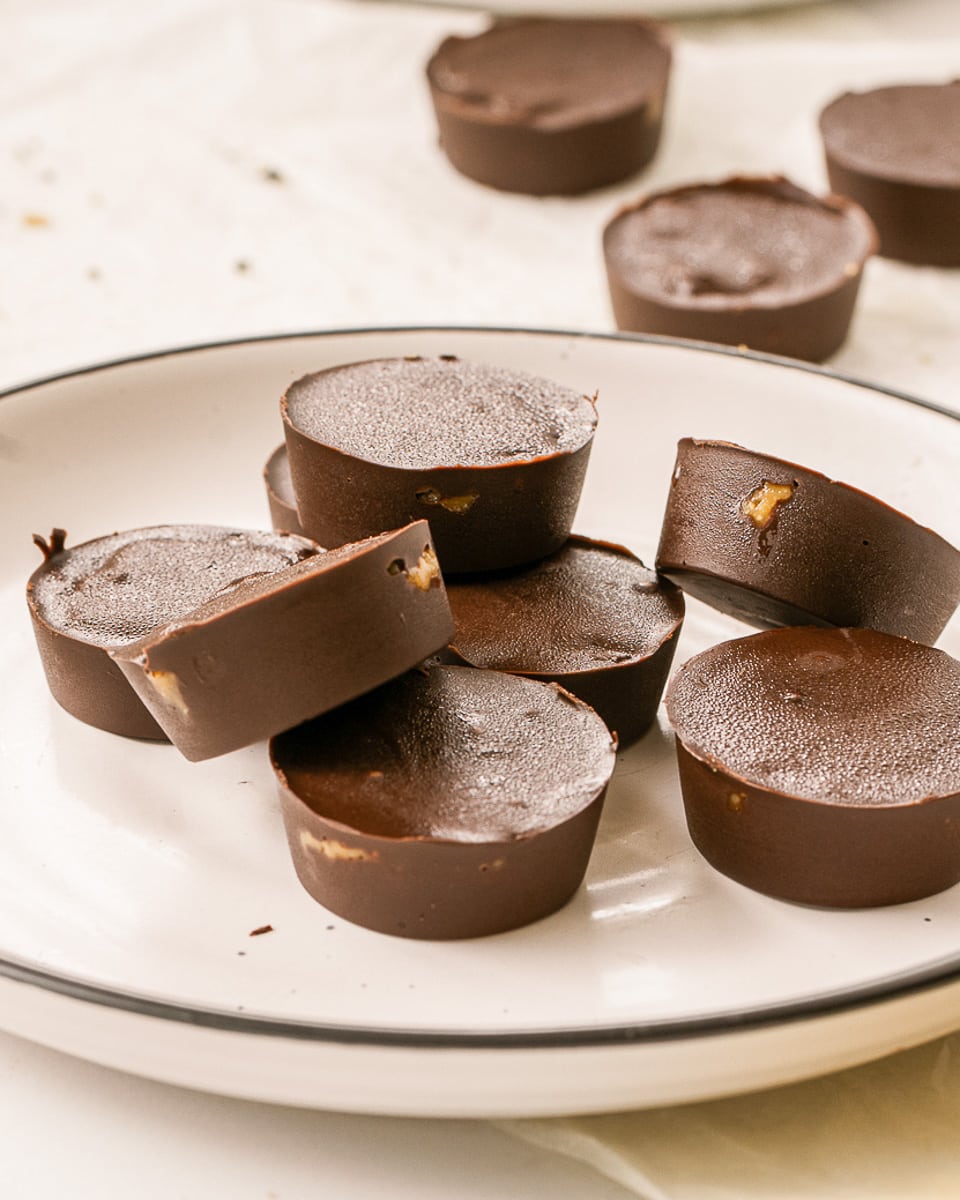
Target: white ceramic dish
x: 130, y: 879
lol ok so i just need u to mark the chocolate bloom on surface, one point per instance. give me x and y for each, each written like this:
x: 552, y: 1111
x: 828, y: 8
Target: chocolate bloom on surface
x: 449, y: 803
x: 753, y: 261
x: 493, y: 458
x: 823, y: 765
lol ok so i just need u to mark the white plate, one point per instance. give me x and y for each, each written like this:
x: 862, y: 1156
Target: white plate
x: 130, y: 879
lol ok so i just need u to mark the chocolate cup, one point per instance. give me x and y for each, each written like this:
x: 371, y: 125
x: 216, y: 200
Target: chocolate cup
x: 482, y: 517
x: 437, y: 887
x: 809, y: 326
x: 626, y: 694
x: 281, y: 500
x: 574, y: 136
x: 803, y: 848
x: 915, y: 209
x: 278, y: 650
x: 828, y: 555
x: 81, y: 675
x: 84, y: 681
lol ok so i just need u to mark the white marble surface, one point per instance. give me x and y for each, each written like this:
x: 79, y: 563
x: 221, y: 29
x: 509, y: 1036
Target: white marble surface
x: 206, y: 169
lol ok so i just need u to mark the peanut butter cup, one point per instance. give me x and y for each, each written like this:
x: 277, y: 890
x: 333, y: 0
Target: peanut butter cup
x: 89, y: 599
x: 493, y: 458
x: 552, y: 106
x: 590, y: 617
x: 274, y: 650
x: 751, y: 261
x: 774, y: 543
x: 895, y: 150
x: 823, y: 765
x: 450, y: 803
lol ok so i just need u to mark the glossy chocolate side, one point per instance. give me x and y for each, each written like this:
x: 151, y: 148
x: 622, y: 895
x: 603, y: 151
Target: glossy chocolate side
x: 820, y: 553
x: 281, y: 498
x: 590, y: 617
x: 551, y: 107
x: 823, y: 765
x: 494, y: 459
x: 100, y: 594
x: 748, y: 261
x: 449, y: 803
x: 277, y: 650
x: 895, y: 151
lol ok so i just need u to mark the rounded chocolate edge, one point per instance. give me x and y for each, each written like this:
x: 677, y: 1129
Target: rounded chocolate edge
x: 811, y: 328
x: 435, y: 889
x: 84, y: 680
x: 284, y: 517
x: 88, y: 684
x: 625, y: 695
x: 813, y: 852
x: 681, y: 556
x: 582, y: 156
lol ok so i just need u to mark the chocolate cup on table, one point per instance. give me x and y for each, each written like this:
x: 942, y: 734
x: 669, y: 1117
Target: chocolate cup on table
x: 747, y: 261
x: 552, y: 106
x: 894, y: 151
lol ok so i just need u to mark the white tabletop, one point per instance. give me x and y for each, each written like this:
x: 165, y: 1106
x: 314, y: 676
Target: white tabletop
x: 206, y: 169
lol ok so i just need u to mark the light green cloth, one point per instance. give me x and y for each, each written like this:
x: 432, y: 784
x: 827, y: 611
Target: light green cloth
x: 889, y: 1130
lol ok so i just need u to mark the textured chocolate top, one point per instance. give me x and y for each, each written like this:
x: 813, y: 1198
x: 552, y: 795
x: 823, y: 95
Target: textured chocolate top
x: 762, y: 242
x: 845, y: 716
x: 116, y: 589
x: 907, y: 132
x: 420, y: 413
x: 553, y: 73
x: 453, y: 754
x: 589, y: 605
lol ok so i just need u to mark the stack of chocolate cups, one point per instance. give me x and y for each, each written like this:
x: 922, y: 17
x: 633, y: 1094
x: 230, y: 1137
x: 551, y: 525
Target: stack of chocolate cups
x: 495, y: 460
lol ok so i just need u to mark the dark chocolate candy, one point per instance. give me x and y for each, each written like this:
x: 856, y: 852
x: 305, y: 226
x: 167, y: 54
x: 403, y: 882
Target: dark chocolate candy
x: 747, y: 261
x: 774, y: 543
x: 493, y: 458
x: 91, y: 598
x: 590, y: 617
x: 450, y: 803
x: 281, y: 498
x: 823, y: 765
x: 278, y: 649
x: 896, y: 151
x: 552, y: 106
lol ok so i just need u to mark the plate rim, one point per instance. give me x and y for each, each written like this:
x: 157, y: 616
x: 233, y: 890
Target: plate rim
x: 924, y: 979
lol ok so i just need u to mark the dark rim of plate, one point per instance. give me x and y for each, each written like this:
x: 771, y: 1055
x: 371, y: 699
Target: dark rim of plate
x: 928, y: 978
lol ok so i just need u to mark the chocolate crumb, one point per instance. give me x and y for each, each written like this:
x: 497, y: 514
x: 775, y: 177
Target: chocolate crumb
x: 261, y: 929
